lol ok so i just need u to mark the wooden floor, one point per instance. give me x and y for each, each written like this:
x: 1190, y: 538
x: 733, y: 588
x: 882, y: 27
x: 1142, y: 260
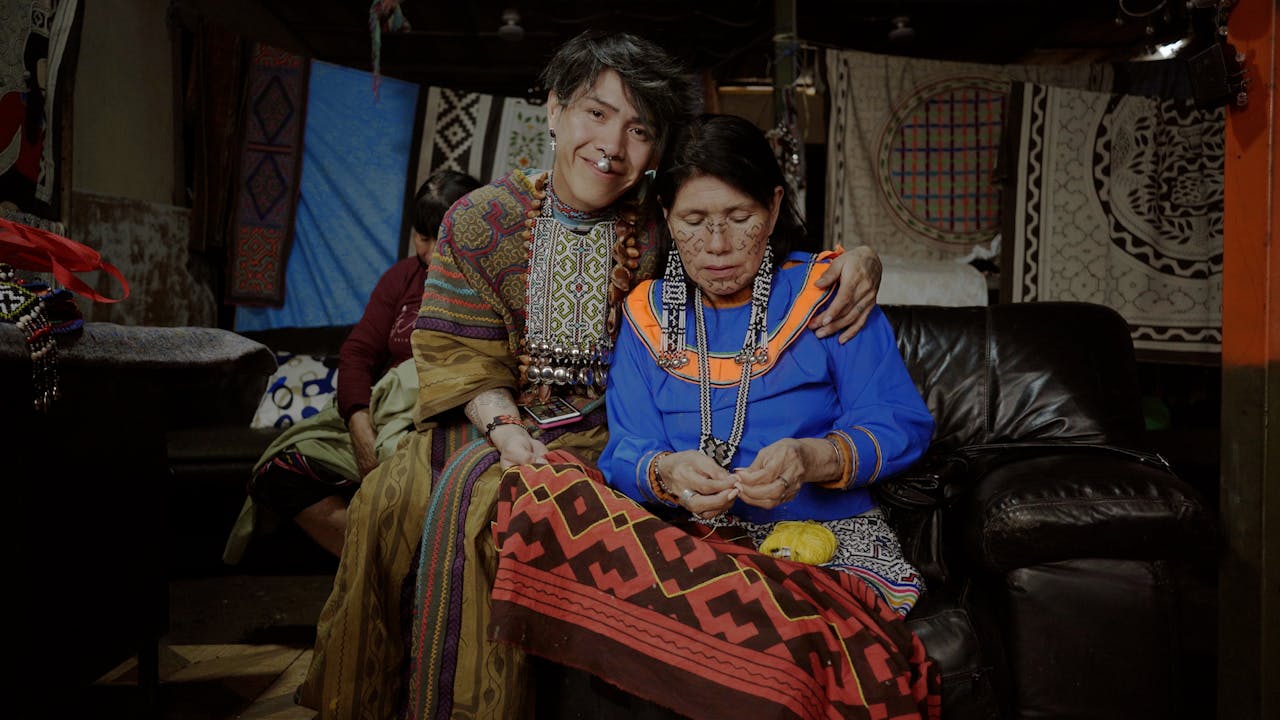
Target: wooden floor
x: 238, y: 647
x: 209, y: 682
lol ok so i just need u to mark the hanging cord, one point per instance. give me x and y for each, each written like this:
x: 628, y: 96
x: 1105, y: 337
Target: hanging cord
x: 384, y: 16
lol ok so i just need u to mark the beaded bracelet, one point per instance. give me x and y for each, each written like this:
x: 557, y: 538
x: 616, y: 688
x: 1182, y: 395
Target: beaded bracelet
x: 656, y: 484
x: 844, y: 458
x: 501, y: 420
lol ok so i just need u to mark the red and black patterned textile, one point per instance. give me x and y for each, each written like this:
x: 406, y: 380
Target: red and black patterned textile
x: 274, y: 119
x: 695, y: 622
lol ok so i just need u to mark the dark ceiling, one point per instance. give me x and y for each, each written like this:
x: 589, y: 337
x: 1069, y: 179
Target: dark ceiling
x: 458, y: 44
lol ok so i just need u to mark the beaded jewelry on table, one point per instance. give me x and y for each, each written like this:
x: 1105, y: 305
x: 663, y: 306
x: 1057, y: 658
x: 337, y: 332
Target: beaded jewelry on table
x: 28, y: 305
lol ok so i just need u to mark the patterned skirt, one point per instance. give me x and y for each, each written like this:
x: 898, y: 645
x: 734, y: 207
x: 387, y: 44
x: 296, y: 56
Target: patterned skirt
x: 688, y: 618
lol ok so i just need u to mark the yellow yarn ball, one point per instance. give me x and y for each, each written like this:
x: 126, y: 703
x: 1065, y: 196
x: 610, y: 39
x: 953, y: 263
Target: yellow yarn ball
x: 804, y: 541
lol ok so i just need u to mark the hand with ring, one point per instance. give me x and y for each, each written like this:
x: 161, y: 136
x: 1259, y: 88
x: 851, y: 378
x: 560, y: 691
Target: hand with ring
x: 777, y: 473
x: 704, y: 488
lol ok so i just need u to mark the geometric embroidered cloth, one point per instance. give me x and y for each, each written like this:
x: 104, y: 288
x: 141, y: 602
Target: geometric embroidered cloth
x: 350, y: 203
x: 690, y: 620
x: 1117, y: 200
x: 274, y: 118
x: 912, y: 148
x: 486, y: 136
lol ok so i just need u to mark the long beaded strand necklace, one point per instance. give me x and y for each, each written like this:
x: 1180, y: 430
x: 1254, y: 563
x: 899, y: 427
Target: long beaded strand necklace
x: 576, y: 281
x: 754, y: 352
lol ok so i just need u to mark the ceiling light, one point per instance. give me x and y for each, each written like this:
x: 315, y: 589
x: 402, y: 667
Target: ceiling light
x: 510, y: 29
x: 1164, y: 52
x: 902, y: 29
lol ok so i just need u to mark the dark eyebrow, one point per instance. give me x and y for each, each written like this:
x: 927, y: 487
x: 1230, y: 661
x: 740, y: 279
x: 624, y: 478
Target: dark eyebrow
x: 634, y: 118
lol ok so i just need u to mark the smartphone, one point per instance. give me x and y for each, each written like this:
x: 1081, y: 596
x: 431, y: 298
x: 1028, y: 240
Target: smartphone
x: 556, y: 411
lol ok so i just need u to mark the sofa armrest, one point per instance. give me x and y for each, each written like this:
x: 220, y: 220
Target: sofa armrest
x: 913, y: 503
x: 1042, y: 504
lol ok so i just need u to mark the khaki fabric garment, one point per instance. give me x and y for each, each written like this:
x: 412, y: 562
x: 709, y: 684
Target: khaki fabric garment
x: 357, y: 667
x: 326, y: 442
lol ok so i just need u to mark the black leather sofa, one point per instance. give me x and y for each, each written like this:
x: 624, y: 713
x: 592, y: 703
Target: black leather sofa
x: 1060, y: 559
x: 1064, y: 564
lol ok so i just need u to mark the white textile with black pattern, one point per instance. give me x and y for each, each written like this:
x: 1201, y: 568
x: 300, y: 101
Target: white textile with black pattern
x: 1117, y: 200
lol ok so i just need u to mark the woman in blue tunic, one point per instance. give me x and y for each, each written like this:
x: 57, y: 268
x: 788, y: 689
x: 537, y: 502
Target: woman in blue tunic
x: 798, y: 433
x: 737, y: 543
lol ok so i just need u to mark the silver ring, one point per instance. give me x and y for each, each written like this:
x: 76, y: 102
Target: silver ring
x: 686, y: 494
x: 786, y: 482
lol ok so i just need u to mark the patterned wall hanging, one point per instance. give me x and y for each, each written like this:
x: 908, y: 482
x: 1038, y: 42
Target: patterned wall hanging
x: 273, y: 121
x: 1117, y: 200
x: 912, y: 148
x: 33, y: 39
x: 350, y: 201
x: 486, y: 136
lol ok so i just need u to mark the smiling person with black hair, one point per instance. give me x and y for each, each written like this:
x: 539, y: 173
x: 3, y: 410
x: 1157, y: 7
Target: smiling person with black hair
x: 733, y: 534
x: 520, y: 307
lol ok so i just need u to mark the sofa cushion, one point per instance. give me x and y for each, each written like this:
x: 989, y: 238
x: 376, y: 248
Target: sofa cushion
x: 949, y: 638
x: 1029, y: 371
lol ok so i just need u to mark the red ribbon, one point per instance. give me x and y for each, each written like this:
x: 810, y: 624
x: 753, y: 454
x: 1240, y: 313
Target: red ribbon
x: 28, y: 248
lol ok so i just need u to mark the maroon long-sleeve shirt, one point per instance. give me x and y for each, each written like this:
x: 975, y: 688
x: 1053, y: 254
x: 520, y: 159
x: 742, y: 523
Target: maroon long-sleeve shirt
x: 380, y: 341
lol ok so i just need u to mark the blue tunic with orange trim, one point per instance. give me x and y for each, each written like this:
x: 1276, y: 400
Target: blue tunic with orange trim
x: 811, y: 386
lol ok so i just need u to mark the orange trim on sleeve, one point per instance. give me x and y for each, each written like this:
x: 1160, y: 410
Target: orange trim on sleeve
x: 875, y: 472
x: 844, y: 457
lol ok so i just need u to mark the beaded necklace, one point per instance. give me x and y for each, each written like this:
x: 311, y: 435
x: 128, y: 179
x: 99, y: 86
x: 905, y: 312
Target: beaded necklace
x: 576, y: 280
x: 24, y: 307
x: 754, y: 350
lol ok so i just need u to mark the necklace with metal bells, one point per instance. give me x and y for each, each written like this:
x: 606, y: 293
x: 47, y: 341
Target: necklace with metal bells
x: 603, y: 163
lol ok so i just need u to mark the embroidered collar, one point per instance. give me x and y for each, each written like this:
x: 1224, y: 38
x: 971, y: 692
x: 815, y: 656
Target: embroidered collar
x: 652, y: 325
x: 578, y: 273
